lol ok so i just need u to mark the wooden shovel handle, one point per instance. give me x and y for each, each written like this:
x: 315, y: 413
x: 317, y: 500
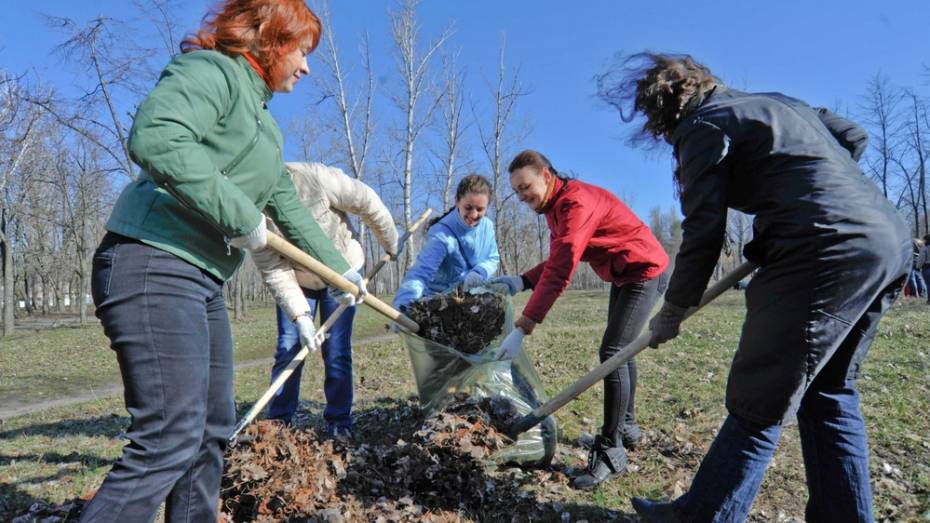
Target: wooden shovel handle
x: 331, y: 277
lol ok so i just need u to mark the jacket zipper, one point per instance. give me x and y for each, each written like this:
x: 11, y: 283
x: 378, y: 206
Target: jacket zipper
x: 234, y: 163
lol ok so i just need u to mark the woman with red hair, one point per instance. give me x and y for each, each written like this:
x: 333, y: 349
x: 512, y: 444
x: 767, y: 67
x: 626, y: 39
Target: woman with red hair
x: 210, y: 154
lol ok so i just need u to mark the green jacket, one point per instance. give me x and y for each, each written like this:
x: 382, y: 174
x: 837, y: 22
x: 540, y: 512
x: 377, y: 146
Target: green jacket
x: 211, y: 158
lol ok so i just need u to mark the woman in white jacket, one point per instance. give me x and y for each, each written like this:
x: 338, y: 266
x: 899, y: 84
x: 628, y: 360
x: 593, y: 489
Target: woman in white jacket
x: 331, y: 196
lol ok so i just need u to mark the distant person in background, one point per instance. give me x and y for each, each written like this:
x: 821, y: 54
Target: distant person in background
x: 460, y: 248
x: 916, y: 284
x: 331, y: 197
x: 588, y: 223
x: 925, y: 268
x: 833, y: 255
x: 210, y: 154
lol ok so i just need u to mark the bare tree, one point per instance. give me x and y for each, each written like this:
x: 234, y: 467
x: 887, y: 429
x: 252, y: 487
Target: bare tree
x: 916, y: 142
x: 18, y: 132
x: 355, y: 130
x: 353, y: 112
x: 161, y: 15
x: 880, y: 111
x: 101, y: 45
x: 414, y: 71
x: 85, y: 202
x: 452, y: 125
x: 506, y: 94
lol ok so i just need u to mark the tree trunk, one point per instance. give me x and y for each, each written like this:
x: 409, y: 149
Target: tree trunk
x: 9, y: 300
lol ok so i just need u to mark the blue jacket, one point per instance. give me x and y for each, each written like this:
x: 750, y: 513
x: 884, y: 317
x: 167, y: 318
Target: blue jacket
x: 452, y: 250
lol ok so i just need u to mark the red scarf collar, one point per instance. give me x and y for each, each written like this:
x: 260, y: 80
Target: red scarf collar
x: 553, y: 191
x: 258, y: 69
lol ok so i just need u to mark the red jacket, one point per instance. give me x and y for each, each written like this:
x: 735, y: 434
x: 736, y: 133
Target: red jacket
x: 588, y: 223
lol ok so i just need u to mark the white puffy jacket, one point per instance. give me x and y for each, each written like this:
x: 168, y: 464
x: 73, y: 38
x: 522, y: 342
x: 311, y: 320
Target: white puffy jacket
x: 330, y: 195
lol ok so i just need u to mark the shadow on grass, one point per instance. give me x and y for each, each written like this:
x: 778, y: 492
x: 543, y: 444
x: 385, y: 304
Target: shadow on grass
x: 14, y: 501
x: 110, y: 425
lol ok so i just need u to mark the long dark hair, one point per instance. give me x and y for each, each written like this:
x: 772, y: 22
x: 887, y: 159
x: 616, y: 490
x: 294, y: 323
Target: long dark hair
x: 472, y: 183
x: 664, y: 88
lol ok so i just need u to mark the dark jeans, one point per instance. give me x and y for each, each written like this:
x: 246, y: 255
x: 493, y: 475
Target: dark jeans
x: 166, y: 321
x: 833, y: 442
x: 337, y: 361
x: 917, y: 284
x: 925, y: 272
x: 629, y: 308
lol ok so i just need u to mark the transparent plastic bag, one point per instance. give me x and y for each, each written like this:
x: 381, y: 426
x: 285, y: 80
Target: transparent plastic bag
x: 442, y: 371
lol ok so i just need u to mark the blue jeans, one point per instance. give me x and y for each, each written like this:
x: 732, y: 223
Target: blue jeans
x: 833, y: 442
x: 337, y: 362
x: 835, y: 451
x: 917, y: 284
x: 166, y: 321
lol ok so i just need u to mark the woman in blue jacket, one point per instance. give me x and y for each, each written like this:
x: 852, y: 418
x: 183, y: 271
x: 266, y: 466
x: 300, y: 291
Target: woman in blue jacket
x: 461, y: 247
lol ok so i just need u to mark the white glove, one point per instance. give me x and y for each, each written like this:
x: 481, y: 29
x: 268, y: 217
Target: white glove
x: 256, y: 239
x: 511, y: 346
x: 514, y: 283
x: 473, y: 279
x: 345, y: 297
x: 308, y: 333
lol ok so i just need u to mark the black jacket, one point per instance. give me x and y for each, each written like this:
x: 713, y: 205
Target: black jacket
x: 791, y: 166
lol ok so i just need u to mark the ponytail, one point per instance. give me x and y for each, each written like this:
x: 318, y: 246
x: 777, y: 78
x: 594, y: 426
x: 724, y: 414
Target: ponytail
x: 434, y: 221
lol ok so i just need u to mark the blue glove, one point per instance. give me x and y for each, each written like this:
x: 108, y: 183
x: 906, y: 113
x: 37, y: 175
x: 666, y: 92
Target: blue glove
x: 473, y: 279
x: 514, y: 283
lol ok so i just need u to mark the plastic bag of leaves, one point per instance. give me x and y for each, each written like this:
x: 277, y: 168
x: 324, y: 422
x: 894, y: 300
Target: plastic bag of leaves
x: 442, y: 371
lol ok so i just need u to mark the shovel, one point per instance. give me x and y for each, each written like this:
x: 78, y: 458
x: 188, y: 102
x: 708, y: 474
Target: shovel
x: 622, y: 356
x: 321, y: 332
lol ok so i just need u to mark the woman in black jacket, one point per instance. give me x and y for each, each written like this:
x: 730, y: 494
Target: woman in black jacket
x: 833, y: 256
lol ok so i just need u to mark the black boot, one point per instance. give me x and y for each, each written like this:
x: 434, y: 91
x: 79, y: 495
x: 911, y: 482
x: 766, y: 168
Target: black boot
x: 656, y: 511
x: 606, y: 461
x: 630, y: 434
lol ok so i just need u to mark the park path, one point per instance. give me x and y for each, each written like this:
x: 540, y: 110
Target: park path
x: 10, y: 410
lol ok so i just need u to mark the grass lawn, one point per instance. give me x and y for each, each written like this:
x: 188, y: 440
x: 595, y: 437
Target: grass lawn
x: 64, y: 452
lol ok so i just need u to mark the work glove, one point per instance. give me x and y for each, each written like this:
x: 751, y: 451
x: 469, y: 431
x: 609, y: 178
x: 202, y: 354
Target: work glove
x: 345, y: 297
x: 514, y: 283
x: 308, y: 333
x: 511, y: 346
x: 665, y: 324
x: 256, y: 239
x: 473, y: 279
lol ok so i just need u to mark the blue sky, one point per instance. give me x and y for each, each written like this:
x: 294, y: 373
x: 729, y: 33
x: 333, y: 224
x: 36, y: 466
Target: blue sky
x: 823, y: 52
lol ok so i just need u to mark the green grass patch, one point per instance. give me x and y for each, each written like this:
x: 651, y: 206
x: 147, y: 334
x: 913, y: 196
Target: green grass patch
x: 66, y: 451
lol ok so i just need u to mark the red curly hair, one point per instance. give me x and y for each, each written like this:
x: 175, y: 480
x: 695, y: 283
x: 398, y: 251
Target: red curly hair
x: 267, y: 29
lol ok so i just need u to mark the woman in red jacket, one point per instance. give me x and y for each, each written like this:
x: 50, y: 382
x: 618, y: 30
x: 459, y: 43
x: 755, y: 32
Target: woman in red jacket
x: 588, y: 223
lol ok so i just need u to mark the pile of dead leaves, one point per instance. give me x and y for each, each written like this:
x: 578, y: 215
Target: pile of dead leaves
x: 461, y: 320
x: 44, y: 512
x: 437, y: 473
